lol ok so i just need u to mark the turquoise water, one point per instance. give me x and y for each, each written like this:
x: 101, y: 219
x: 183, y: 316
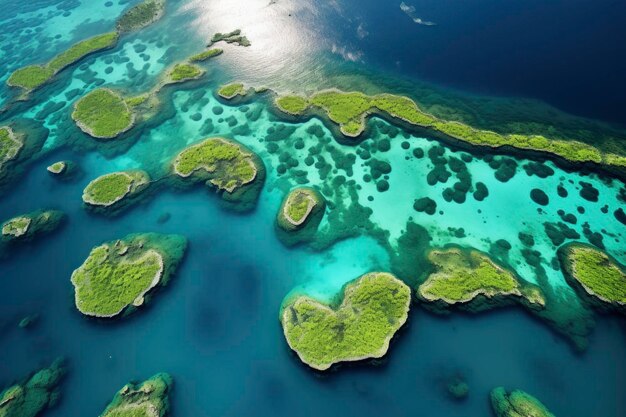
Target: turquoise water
x: 215, y: 328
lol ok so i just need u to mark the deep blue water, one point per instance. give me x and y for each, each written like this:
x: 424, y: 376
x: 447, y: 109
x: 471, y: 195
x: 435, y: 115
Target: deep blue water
x: 215, y: 328
x: 567, y: 53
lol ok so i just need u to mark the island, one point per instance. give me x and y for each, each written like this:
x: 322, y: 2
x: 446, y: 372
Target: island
x: 350, y: 110
x: 230, y: 91
x: 32, y: 396
x: 57, y: 168
x: 237, y: 172
x: 300, y: 205
x: 357, y: 326
x: 34, y: 76
x: 470, y: 279
x: 103, y: 114
x: 203, y: 56
x: 149, y: 398
x: 517, y: 404
x: 234, y: 37
x: 10, y: 146
x: 118, y: 276
x: 183, y: 72
x: 597, y: 277
x: 141, y: 15
x: 27, y: 226
x: 115, y: 190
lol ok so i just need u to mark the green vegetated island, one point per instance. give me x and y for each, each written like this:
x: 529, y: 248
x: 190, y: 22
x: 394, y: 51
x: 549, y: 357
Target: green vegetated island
x: 117, y: 276
x: 465, y: 276
x: 34, y: 76
x: 106, y: 114
x: 30, y: 225
x: 32, y: 396
x: 232, y: 90
x: 223, y: 163
x: 149, y: 398
x: 234, y: 37
x: 596, y: 276
x: 10, y: 146
x: 517, y: 404
x: 358, y: 325
x: 115, y: 188
x: 350, y: 111
x: 298, y: 207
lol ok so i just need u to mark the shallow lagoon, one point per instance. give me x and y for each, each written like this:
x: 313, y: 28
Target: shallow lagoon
x: 216, y: 329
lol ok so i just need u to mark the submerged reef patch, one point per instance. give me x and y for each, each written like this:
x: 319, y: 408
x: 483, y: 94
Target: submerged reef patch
x: 149, y: 398
x: 597, y: 277
x: 118, y: 276
x: 358, y: 326
x: 35, y: 394
x: 472, y: 280
x: 517, y: 404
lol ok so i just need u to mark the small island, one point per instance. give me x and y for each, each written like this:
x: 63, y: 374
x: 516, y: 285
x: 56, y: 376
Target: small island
x: 27, y: 226
x: 234, y: 37
x: 183, y: 72
x: 103, y: 114
x: 58, y: 168
x: 293, y: 105
x: 112, y: 189
x: 300, y: 205
x: 34, y: 76
x: 230, y: 91
x: 203, y: 56
x: 141, y: 15
x: 470, y: 278
x: 117, y: 276
x: 10, y: 146
x: 359, y: 325
x: 149, y: 398
x: 595, y: 275
x: 517, y: 404
x: 35, y: 394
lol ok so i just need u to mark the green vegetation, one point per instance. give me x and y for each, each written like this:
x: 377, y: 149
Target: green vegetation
x: 108, y: 189
x: 141, y: 15
x: 461, y: 275
x: 119, y: 274
x: 225, y: 163
x: 350, y: 110
x: 16, y: 227
x: 203, y: 56
x: 599, y: 275
x: 517, y: 404
x: 103, y: 114
x: 57, y: 168
x: 34, y: 76
x: 295, y: 105
x: 26, y: 226
x: 148, y: 399
x: 184, y: 72
x: 298, y: 206
x: 137, y: 100
x: 10, y: 146
x: 231, y: 37
x: 373, y: 308
x: 230, y: 91
x: 32, y: 396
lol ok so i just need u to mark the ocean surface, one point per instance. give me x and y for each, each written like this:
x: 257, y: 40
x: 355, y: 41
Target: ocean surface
x: 215, y: 327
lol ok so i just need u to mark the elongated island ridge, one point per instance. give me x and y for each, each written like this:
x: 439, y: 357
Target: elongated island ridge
x: 359, y: 326
x: 10, y: 146
x: 141, y: 15
x: 27, y: 226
